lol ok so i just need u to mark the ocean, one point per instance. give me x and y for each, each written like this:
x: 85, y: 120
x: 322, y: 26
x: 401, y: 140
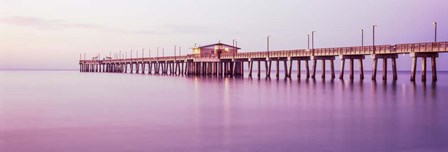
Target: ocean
x: 69, y: 111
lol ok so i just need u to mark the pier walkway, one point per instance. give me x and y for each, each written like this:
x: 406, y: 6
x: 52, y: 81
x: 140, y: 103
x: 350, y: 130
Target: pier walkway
x: 232, y: 64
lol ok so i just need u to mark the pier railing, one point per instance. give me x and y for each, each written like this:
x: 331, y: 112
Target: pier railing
x: 355, y: 50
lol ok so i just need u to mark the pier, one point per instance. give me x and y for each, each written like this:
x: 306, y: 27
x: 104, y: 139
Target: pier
x: 225, y: 61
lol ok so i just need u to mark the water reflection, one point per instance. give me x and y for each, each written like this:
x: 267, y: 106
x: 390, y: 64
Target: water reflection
x: 160, y: 113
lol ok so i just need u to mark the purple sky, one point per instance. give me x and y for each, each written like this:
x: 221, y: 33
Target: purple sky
x: 52, y: 34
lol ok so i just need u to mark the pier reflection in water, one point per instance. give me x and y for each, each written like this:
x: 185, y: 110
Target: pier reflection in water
x: 71, y: 111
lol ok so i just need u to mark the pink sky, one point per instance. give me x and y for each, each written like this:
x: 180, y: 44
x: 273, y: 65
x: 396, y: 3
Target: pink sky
x: 51, y: 34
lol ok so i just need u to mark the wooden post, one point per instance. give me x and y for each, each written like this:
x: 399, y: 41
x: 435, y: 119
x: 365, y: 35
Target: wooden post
x: 182, y: 68
x: 394, y: 69
x: 212, y: 69
x: 162, y: 67
x: 341, y: 74
x: 113, y: 67
x: 361, y: 69
x: 176, y: 67
x: 186, y: 68
x: 251, y: 63
x: 352, y: 71
x: 143, y: 67
x: 269, y: 69
x: 159, y: 68
x: 307, y: 69
x: 375, y: 63
x: 131, y: 67
x: 155, y: 67
x: 205, y: 68
x: 171, y: 67
x: 165, y: 68
x: 286, y: 68
x: 299, y: 68
x: 323, y: 68
x: 202, y: 68
x: 384, y: 68
x: 235, y: 65
x: 278, y: 69
x: 242, y: 68
x: 225, y: 69
x: 423, y: 68
x: 290, y: 68
x: 179, y: 68
x: 219, y: 68
x: 434, y: 69
x: 195, y: 68
x: 216, y: 68
x: 332, y: 69
x: 259, y: 68
x: 314, y: 69
x: 232, y: 69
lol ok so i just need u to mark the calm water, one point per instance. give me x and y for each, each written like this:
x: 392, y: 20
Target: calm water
x: 68, y: 111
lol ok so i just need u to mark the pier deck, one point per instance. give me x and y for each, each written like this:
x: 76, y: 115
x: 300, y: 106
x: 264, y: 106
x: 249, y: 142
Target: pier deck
x: 232, y: 64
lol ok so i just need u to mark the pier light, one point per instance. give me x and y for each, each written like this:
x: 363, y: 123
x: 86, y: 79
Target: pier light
x: 374, y: 49
x: 267, y: 47
x: 362, y: 37
x: 308, y: 41
x: 235, y: 45
x: 312, y: 41
x: 435, y: 31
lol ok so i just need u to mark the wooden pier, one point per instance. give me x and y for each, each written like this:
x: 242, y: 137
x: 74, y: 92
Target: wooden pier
x: 231, y: 64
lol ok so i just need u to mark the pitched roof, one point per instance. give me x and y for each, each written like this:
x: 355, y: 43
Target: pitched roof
x: 222, y: 44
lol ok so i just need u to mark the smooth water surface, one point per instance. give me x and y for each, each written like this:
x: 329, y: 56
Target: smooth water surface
x: 68, y: 111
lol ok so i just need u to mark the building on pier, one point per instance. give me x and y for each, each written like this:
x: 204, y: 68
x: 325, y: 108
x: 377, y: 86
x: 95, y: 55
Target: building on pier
x: 214, y: 50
